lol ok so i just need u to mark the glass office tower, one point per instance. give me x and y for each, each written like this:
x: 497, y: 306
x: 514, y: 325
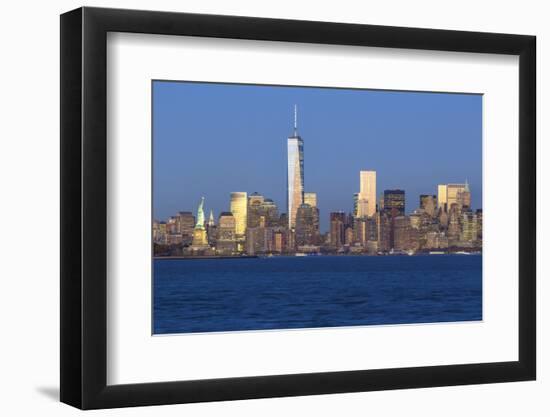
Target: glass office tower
x: 295, y: 174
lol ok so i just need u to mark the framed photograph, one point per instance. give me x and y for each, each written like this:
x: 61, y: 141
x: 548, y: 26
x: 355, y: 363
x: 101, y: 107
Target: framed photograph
x: 261, y: 208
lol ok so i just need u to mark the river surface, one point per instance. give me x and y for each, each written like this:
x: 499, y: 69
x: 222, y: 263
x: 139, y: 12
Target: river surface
x: 214, y: 295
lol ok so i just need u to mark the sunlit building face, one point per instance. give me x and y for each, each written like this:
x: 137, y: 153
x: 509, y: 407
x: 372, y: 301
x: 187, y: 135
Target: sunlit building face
x: 239, y: 202
x: 366, y: 205
x: 311, y: 199
x: 295, y: 185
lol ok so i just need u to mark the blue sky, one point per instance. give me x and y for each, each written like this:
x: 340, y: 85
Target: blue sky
x: 212, y: 139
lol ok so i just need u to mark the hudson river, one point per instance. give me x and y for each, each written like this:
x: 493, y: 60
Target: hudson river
x: 317, y: 291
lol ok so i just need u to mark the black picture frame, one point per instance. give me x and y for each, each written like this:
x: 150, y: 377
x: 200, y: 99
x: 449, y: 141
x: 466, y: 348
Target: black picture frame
x: 84, y: 207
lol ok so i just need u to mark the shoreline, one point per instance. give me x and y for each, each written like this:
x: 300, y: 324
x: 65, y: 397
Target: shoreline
x: 312, y: 256
x: 204, y: 257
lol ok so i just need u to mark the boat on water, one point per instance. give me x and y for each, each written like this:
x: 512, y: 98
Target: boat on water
x: 462, y: 253
x: 436, y: 252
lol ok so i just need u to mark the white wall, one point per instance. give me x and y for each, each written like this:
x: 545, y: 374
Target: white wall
x: 29, y: 172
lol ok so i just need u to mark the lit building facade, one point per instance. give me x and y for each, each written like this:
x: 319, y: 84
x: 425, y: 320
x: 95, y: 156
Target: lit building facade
x: 295, y: 174
x: 307, y: 225
x: 310, y: 199
x: 226, y: 242
x: 394, y: 202
x: 442, y: 197
x: 366, y: 199
x: 239, y: 206
x: 428, y: 203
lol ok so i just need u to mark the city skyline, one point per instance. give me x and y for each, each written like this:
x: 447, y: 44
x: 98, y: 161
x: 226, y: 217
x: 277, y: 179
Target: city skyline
x: 215, y: 179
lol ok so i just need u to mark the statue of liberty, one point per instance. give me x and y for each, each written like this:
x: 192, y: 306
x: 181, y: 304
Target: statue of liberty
x: 200, y: 238
x: 200, y: 215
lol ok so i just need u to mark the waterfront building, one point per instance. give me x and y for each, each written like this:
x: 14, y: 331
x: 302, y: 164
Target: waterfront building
x: 443, y: 218
x: 211, y: 229
x: 470, y: 224
x: 256, y: 240
x: 186, y: 222
x: 307, y: 225
x: 239, y: 206
x: 464, y: 197
x: 311, y: 199
x: 436, y: 240
x: 428, y: 203
x: 479, y: 215
x: 348, y: 235
x: 360, y: 231
x: 262, y: 209
x: 453, y: 228
x: 254, y: 211
x: 337, y: 228
x: 356, y: 204
x: 449, y: 194
x: 295, y: 173
x: 384, y: 228
x: 279, y: 240
x: 401, y: 233
x: 442, y: 197
x: 381, y: 202
x: 173, y: 239
x: 366, y: 199
x: 416, y: 218
x: 156, y: 231
x: 172, y: 225
x: 394, y: 202
x: 270, y: 212
x: 226, y: 242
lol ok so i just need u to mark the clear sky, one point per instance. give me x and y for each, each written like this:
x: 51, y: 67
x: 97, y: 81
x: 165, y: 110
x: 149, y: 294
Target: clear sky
x: 212, y: 139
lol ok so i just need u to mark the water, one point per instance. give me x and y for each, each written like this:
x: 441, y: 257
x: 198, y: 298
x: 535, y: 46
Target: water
x: 306, y: 292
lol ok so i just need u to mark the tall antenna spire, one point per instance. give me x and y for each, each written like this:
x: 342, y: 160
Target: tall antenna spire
x: 295, y: 120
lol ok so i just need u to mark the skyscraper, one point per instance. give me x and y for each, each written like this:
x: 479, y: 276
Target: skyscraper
x: 366, y: 200
x: 427, y: 202
x: 442, y: 197
x: 337, y: 228
x: 449, y: 194
x: 394, y: 202
x: 239, y: 203
x: 307, y: 225
x: 226, y: 242
x: 311, y: 199
x: 295, y: 173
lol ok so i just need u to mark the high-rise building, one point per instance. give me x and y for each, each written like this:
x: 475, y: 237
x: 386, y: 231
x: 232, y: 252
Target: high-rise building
x: 295, y: 173
x: 256, y: 240
x: 366, y: 199
x: 307, y: 225
x: 270, y: 212
x: 464, y: 197
x: 311, y: 199
x: 428, y: 203
x: 454, y: 192
x: 449, y: 194
x: 384, y: 231
x: 185, y: 221
x: 337, y: 228
x: 394, y: 202
x: 442, y: 197
x: 226, y: 242
x: 254, y: 211
x: 239, y: 205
